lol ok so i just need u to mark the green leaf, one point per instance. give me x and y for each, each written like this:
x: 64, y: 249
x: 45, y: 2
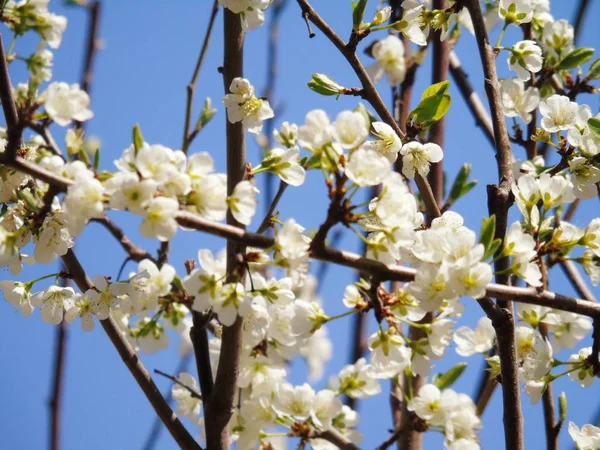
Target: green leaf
x: 358, y: 12
x: 488, y: 230
x: 594, y: 125
x: 96, y: 160
x: 445, y: 380
x: 495, y: 245
x: 138, y: 139
x: 575, y: 58
x: 434, y: 104
x: 594, y: 72
x: 206, y: 114
x: 459, y: 183
x: 177, y: 283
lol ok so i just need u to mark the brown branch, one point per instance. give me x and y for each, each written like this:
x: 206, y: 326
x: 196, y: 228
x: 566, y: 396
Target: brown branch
x: 577, y: 281
x: 348, y: 259
x: 370, y: 94
x: 91, y: 51
x: 163, y: 253
x: 133, y: 363
x: 267, y: 220
x: 482, y: 118
x: 336, y: 438
x: 397, y: 433
x: 136, y: 253
x: 14, y: 127
x: 499, y: 202
x: 579, y: 16
x: 199, y: 337
x: 188, y: 135
x: 220, y: 405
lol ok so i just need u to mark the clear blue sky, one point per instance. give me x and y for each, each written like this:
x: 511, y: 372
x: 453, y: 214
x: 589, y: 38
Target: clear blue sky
x: 150, y: 48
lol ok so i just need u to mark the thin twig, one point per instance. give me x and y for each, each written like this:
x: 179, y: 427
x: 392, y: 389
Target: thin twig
x: 135, y: 253
x: 157, y: 427
x: 579, y: 16
x: 577, y: 281
x: 391, y: 439
x: 91, y: 50
x: 176, y: 380
x: 191, y: 87
x: 267, y: 220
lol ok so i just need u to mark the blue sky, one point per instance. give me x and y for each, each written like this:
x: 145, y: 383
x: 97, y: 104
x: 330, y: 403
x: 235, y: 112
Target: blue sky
x: 150, y: 48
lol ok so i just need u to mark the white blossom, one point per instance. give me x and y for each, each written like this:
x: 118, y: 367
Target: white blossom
x: 242, y: 202
x: 516, y: 11
x: 159, y: 220
x: 243, y: 106
x: 417, y: 157
x: 525, y: 57
x: 559, y: 113
x: 517, y: 101
x: 53, y: 302
x: 66, y: 103
x: 389, y: 55
x: 388, y: 144
x: 350, y: 129
x: 367, y: 167
x: 468, y: 341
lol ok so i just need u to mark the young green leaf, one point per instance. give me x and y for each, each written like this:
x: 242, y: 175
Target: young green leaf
x: 445, y: 380
x: 594, y: 125
x: 435, y: 103
x: 358, y: 12
x: 459, y: 183
x: 138, y: 139
x: 594, y: 72
x: 493, y: 248
x: 575, y: 58
x: 488, y: 229
x: 96, y: 160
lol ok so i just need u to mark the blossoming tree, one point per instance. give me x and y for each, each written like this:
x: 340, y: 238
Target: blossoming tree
x: 248, y: 311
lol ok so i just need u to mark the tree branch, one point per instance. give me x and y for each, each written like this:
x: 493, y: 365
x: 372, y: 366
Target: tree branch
x: 336, y: 438
x: 499, y: 201
x: 577, y: 281
x: 14, y: 127
x: 221, y: 402
x: 348, y: 259
x: 156, y: 428
x: 136, y: 253
x: 91, y: 51
x: 133, y: 363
